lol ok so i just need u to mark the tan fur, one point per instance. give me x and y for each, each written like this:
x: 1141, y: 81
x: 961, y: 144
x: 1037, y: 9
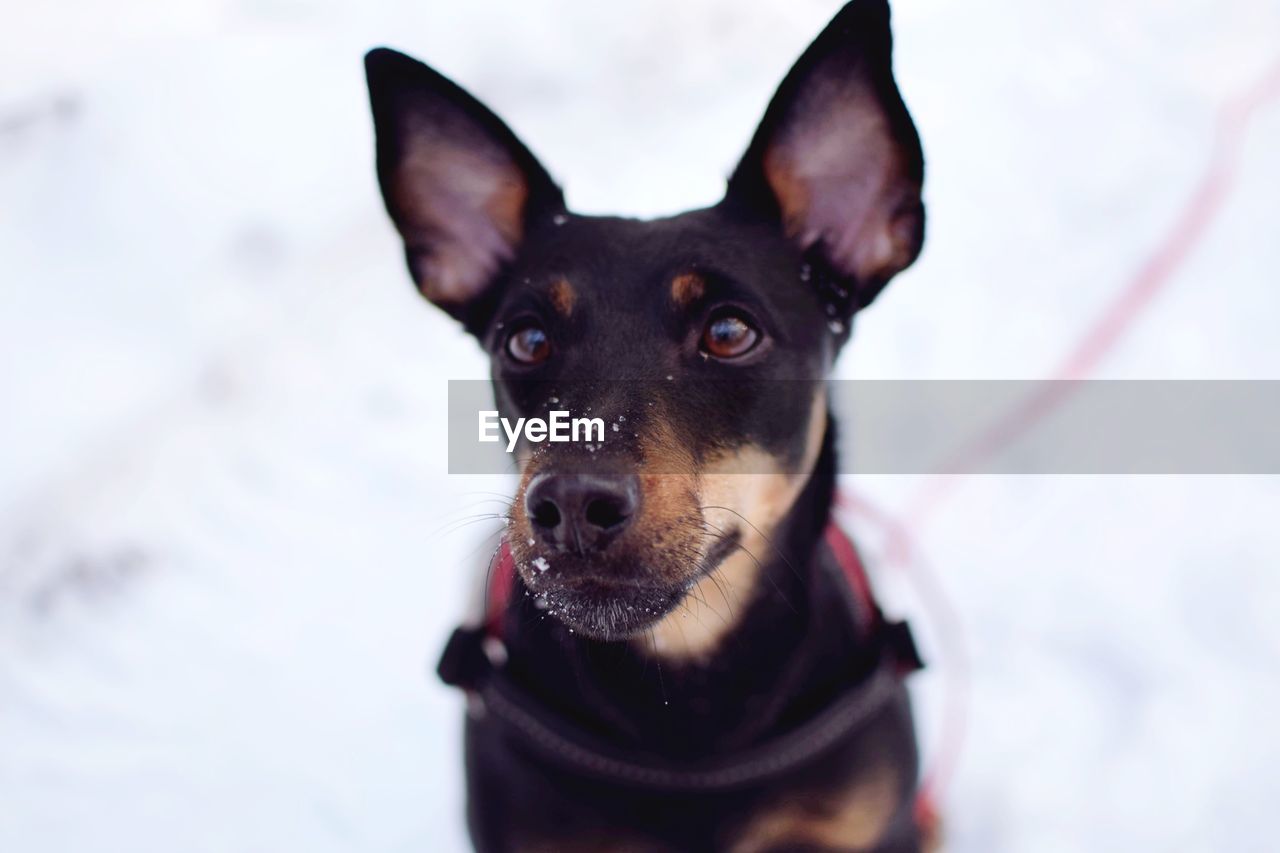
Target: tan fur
x: 668, y: 485
x: 687, y: 288
x: 684, y: 512
x: 791, y: 192
x: 563, y: 297
x: 709, y: 611
x: 667, y: 529
x: 747, y: 485
x: 851, y: 819
x: 518, y: 520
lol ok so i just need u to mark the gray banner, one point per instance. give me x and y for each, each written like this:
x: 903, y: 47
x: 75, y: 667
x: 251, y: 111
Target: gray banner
x: 945, y: 427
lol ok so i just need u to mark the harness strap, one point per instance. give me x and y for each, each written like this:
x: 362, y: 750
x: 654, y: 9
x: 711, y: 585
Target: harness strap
x: 855, y: 574
x: 474, y: 660
x: 568, y: 747
x: 501, y: 586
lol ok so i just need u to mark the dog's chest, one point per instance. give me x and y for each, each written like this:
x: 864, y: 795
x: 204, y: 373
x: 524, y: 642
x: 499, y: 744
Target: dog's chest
x: 855, y: 797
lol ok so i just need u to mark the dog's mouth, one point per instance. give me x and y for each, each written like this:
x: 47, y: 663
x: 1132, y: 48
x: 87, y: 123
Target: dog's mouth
x: 602, y: 600
x: 607, y: 611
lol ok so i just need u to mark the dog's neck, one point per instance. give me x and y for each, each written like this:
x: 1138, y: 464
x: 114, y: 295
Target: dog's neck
x: 790, y: 650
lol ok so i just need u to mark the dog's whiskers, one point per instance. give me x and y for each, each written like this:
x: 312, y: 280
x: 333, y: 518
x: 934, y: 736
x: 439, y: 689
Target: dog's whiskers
x: 759, y: 565
x: 454, y: 526
x: 781, y: 555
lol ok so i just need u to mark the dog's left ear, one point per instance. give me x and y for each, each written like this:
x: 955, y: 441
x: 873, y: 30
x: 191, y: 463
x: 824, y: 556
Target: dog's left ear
x: 837, y: 159
x: 461, y: 188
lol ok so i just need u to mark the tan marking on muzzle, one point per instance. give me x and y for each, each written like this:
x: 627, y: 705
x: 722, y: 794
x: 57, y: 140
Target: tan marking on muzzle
x: 666, y: 536
x: 520, y: 537
x: 750, y: 491
x: 668, y: 523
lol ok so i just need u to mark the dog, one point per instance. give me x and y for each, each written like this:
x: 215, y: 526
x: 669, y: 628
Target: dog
x: 680, y: 650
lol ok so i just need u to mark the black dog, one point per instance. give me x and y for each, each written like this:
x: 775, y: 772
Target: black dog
x: 681, y: 654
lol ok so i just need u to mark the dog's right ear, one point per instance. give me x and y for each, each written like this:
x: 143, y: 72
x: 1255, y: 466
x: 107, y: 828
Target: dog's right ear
x: 461, y: 188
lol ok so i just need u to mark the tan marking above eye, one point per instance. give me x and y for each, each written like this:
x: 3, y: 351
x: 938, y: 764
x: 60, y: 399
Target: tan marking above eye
x: 687, y: 288
x: 563, y: 296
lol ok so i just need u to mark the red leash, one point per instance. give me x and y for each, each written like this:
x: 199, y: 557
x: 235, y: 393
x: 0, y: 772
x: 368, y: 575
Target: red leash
x: 501, y: 585
x: 1152, y: 276
x: 1099, y: 340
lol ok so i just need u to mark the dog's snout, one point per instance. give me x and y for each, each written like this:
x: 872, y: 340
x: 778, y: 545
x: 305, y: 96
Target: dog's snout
x: 581, y: 512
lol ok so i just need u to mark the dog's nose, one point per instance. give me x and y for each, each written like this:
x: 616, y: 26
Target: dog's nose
x: 581, y: 512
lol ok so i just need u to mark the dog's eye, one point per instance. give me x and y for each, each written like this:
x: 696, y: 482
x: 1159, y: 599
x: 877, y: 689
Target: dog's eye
x: 529, y: 345
x: 729, y: 335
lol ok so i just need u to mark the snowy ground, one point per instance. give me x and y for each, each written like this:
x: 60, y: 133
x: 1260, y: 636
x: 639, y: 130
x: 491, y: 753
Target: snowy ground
x: 223, y: 573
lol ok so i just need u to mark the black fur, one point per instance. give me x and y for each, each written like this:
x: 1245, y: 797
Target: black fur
x: 794, y: 650
x: 489, y: 240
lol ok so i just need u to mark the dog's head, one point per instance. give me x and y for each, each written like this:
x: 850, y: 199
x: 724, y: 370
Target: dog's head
x: 701, y: 340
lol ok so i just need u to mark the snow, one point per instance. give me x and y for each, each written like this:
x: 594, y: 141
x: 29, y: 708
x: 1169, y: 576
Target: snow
x: 229, y: 550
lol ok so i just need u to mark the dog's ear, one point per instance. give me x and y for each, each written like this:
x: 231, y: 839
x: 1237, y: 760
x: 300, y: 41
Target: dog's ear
x: 461, y: 188
x: 837, y: 160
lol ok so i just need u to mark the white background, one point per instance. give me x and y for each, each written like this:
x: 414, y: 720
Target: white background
x: 225, y: 568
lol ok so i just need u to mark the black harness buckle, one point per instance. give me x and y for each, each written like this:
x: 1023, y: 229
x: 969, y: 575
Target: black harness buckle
x: 464, y: 662
x: 901, y: 644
